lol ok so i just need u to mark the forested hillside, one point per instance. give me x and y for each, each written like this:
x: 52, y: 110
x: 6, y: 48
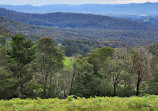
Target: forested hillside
x: 72, y: 20
x: 84, y: 47
x: 152, y: 20
x: 60, y: 26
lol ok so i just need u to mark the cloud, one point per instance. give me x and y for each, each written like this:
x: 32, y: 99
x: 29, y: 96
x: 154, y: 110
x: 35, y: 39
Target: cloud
x: 43, y: 2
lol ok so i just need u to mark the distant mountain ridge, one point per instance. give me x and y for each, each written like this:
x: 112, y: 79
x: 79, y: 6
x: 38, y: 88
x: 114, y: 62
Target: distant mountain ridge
x: 101, y: 9
x: 74, y: 20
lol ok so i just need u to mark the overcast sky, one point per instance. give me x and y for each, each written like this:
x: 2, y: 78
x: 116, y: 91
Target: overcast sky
x: 44, y: 2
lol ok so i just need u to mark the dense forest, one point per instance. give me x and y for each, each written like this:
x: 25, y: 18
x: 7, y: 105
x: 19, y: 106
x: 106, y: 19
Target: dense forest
x: 30, y: 69
x: 76, y: 54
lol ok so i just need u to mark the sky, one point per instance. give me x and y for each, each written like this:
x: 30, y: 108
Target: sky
x: 44, y: 2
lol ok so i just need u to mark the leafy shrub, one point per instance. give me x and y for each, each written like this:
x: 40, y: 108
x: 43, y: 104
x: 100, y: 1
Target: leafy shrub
x: 72, y: 103
x: 139, y: 103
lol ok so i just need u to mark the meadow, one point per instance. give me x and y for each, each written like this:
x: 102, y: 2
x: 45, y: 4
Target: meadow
x: 146, y: 103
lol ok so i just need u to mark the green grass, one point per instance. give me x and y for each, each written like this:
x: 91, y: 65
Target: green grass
x: 147, y: 103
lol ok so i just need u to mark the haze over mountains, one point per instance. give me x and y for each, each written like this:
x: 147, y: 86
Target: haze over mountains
x: 148, y: 9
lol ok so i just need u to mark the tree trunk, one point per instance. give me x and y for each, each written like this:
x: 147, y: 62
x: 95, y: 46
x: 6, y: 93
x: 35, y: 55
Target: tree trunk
x: 137, y: 94
x: 45, y: 86
x: 115, y: 86
x: 20, y: 76
x: 138, y: 83
x: 73, y: 76
x: 50, y: 80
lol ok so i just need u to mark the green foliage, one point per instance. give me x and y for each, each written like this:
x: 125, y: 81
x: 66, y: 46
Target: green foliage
x: 153, y: 85
x: 103, y: 88
x: 20, y: 55
x: 83, y: 47
x: 47, y: 51
x: 41, y: 70
x: 98, y: 57
x: 140, y: 104
x: 125, y: 91
x: 153, y: 49
x: 8, y: 85
x: 84, y: 79
x: 148, y: 103
x: 22, y: 50
x: 49, y: 60
x: 67, y: 62
x: 33, y: 90
x: 2, y: 40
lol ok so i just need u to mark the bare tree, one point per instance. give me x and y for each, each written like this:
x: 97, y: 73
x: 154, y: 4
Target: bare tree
x: 141, y: 66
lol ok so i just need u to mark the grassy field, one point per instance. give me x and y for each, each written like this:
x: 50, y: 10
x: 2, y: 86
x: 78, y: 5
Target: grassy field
x: 146, y: 103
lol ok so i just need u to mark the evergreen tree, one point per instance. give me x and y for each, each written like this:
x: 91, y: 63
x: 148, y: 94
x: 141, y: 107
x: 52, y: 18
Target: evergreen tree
x: 21, y: 55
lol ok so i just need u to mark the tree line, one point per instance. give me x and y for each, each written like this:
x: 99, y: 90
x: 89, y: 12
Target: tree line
x: 40, y: 69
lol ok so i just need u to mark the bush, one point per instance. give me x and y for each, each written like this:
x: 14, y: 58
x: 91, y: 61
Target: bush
x: 147, y: 103
x: 139, y: 104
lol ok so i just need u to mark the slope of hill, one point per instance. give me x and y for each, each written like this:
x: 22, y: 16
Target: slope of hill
x: 152, y: 20
x: 103, y: 9
x: 61, y: 26
x: 129, y: 37
x: 15, y: 27
x: 72, y: 20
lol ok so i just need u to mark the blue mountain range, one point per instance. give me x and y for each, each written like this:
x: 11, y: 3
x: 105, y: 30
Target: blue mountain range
x: 143, y: 9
